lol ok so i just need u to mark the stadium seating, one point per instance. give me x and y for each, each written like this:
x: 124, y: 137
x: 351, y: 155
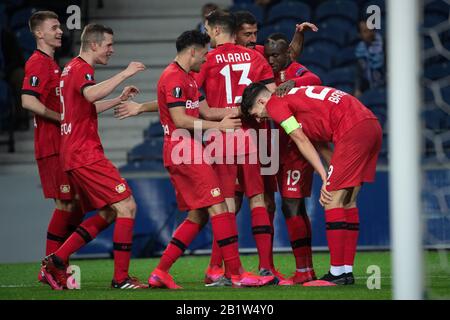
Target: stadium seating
x: 328, y: 38
x: 146, y: 165
x: 344, y: 57
x: 289, y: 10
x: 374, y: 98
x: 5, y: 105
x: 150, y: 149
x: 256, y: 10
x: 20, y: 18
x: 342, y: 79
x: 435, y: 120
x: 316, y: 60
x: 341, y: 12
x: 154, y: 130
x: 26, y: 41
x: 437, y: 71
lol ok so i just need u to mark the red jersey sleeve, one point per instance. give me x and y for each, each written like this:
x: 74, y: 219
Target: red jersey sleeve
x: 278, y: 109
x: 265, y: 71
x: 307, y: 79
x: 176, y: 93
x: 36, y: 78
x: 84, y: 77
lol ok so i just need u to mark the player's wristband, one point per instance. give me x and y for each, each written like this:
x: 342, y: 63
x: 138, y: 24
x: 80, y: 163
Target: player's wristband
x: 290, y: 124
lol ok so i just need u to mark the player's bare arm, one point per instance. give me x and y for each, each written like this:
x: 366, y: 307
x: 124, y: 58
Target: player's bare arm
x: 216, y: 114
x: 33, y: 104
x: 127, y: 93
x: 296, y: 45
x: 182, y: 120
x: 131, y: 108
x: 309, y: 152
x: 101, y: 90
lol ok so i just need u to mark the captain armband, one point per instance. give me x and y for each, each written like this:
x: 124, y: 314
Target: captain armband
x: 290, y: 124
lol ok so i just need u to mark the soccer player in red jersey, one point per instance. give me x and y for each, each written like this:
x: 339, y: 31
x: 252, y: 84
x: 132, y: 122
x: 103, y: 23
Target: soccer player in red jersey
x: 247, y: 33
x: 197, y: 187
x: 322, y: 114
x: 296, y: 174
x: 229, y: 68
x: 40, y: 94
x: 97, y: 182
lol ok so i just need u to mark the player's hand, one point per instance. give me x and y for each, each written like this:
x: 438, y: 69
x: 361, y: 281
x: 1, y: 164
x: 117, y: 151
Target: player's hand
x: 284, y: 88
x: 127, y: 109
x: 133, y: 68
x: 236, y: 112
x: 325, y: 195
x: 305, y: 26
x: 128, y: 92
x: 229, y: 122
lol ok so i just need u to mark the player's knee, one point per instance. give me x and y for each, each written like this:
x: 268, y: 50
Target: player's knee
x: 64, y: 205
x: 291, y: 207
x: 127, y: 208
x: 218, y: 209
x: 257, y: 201
x: 200, y: 218
x: 108, y: 214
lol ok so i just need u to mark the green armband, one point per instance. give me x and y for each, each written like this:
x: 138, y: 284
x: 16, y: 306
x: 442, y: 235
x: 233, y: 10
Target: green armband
x: 290, y: 124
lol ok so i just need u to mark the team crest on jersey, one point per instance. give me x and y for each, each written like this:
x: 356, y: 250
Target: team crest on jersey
x: 89, y: 77
x: 64, y: 188
x: 121, y: 188
x: 34, y: 81
x: 177, y: 92
x: 215, y: 192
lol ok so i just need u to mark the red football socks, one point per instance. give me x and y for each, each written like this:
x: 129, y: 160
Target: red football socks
x: 336, y: 232
x: 84, y: 233
x: 216, y: 255
x: 57, y: 230
x: 122, y: 244
x: 183, y: 236
x: 272, y: 233
x: 262, y: 230
x: 299, y: 230
x: 225, y: 234
x: 351, y: 235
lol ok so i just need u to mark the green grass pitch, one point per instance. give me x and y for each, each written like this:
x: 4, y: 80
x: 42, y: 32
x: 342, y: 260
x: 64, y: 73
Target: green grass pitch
x: 18, y: 281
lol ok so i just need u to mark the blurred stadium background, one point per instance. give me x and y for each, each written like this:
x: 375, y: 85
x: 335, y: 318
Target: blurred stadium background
x: 145, y: 31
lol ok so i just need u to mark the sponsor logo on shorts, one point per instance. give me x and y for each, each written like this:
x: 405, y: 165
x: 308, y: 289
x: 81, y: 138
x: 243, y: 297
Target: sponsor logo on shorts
x: 215, y: 192
x: 64, y: 188
x: 121, y: 188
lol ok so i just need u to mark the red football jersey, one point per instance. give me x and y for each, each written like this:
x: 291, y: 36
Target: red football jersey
x: 260, y: 49
x: 80, y: 142
x: 42, y: 81
x: 324, y: 113
x: 228, y: 70
x: 302, y: 77
x: 299, y: 73
x: 177, y: 88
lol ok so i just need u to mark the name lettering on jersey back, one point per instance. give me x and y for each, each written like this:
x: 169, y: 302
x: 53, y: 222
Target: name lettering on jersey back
x: 233, y: 57
x: 336, y: 96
